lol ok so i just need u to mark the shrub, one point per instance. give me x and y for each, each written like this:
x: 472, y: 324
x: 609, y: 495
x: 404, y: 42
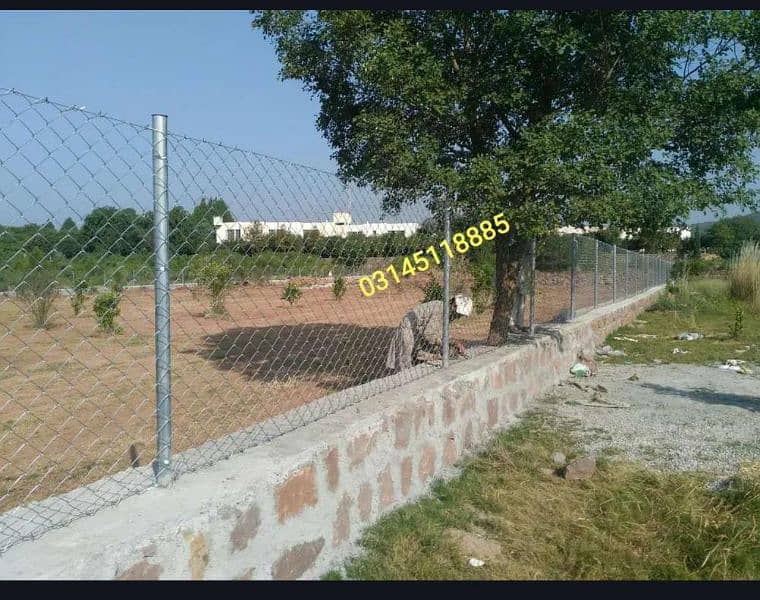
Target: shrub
x: 738, y: 324
x: 78, y: 297
x: 744, y: 274
x: 215, y: 276
x: 554, y: 253
x: 291, y: 293
x: 106, y: 309
x: 432, y: 291
x: 339, y: 288
x: 39, y: 291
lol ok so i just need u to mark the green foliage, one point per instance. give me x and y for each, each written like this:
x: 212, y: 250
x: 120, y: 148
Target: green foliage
x: 291, y: 293
x: 703, y: 305
x: 78, y: 296
x: 106, y: 309
x: 726, y: 237
x: 339, y: 287
x: 554, y: 253
x: 39, y: 291
x: 738, y: 325
x: 215, y: 276
x: 432, y: 291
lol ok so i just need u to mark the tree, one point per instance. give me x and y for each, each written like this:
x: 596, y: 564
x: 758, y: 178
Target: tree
x: 556, y: 118
x: 69, y: 243
x: 116, y: 231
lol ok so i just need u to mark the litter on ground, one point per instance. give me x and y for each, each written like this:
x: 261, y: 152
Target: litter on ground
x: 690, y: 336
x: 609, y: 351
x: 580, y: 370
x: 735, y: 365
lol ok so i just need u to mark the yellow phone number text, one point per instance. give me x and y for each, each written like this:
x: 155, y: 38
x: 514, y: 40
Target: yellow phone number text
x: 462, y: 242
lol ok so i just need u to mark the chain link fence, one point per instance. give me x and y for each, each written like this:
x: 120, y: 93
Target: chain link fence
x: 167, y: 301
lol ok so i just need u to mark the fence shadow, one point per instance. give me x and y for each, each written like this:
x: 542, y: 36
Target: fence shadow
x: 335, y: 355
x: 751, y: 403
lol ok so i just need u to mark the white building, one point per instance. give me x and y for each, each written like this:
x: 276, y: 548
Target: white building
x: 341, y: 225
x: 683, y: 232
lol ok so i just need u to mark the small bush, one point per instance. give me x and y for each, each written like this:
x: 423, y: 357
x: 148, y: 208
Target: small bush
x: 432, y: 291
x: 106, y: 309
x: 215, y: 277
x: 39, y: 291
x: 339, y: 288
x: 738, y: 324
x: 78, y: 297
x: 291, y: 293
x: 744, y: 274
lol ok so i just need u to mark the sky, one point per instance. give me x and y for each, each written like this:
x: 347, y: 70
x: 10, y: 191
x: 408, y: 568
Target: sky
x: 209, y: 71
x: 213, y: 75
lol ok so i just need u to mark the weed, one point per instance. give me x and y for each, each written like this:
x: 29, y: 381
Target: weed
x: 292, y: 293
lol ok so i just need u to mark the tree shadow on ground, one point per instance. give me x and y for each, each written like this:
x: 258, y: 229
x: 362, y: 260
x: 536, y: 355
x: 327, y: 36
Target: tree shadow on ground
x: 334, y: 355
x: 751, y: 403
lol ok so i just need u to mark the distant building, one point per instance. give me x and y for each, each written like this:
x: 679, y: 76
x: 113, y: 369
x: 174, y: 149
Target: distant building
x: 341, y: 225
x: 683, y: 232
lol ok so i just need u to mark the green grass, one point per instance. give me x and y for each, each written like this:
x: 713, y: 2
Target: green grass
x: 703, y: 306
x: 624, y: 523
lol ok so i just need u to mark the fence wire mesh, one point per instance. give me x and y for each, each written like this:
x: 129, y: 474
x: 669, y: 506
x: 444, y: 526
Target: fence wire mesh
x: 277, y: 314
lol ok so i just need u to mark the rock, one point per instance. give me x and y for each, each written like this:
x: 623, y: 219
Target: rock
x: 474, y: 545
x: 559, y: 459
x: 581, y: 468
x: 633, y: 377
x: 657, y: 361
x: 601, y: 388
x: 476, y: 562
x: 547, y: 473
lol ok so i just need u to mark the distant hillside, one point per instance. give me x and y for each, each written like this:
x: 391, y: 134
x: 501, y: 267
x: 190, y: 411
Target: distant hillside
x: 705, y: 225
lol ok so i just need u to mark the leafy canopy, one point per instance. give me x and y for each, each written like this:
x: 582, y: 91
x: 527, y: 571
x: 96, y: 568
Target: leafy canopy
x: 627, y: 118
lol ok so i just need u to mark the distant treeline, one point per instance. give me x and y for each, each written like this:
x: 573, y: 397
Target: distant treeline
x: 724, y: 237
x: 116, y: 245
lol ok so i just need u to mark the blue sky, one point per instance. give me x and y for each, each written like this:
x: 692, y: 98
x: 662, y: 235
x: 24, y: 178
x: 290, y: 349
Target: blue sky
x: 213, y: 74
x: 209, y: 71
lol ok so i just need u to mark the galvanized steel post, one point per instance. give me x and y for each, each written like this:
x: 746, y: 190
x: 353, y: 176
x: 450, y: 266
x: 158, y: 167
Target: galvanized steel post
x: 614, y: 273
x: 596, y: 273
x: 532, y: 286
x: 446, y: 286
x: 162, y: 465
x: 573, y: 254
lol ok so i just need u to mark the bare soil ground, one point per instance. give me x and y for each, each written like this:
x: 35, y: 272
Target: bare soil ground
x: 74, y: 400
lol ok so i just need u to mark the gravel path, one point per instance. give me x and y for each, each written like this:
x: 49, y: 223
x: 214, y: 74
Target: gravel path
x: 681, y: 417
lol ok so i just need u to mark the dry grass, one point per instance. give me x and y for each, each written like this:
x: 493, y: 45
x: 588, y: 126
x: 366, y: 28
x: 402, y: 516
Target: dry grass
x: 744, y: 274
x: 624, y: 523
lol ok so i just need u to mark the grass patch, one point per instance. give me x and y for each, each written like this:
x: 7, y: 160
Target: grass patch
x: 624, y: 523
x: 703, y: 306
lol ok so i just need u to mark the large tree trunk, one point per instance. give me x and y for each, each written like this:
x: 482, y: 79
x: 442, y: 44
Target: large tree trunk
x: 509, y: 262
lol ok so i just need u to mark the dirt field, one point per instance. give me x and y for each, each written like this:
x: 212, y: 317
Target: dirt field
x: 73, y: 400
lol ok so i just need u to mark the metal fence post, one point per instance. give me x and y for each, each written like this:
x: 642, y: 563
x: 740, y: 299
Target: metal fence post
x: 614, y: 273
x: 573, y: 254
x: 162, y: 465
x: 532, y: 286
x: 625, y: 284
x: 446, y: 286
x: 596, y: 273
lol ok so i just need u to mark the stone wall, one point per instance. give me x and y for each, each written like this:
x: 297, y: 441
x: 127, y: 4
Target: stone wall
x: 293, y: 508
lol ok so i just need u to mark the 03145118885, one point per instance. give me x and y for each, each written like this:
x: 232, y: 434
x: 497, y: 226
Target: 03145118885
x: 472, y: 237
